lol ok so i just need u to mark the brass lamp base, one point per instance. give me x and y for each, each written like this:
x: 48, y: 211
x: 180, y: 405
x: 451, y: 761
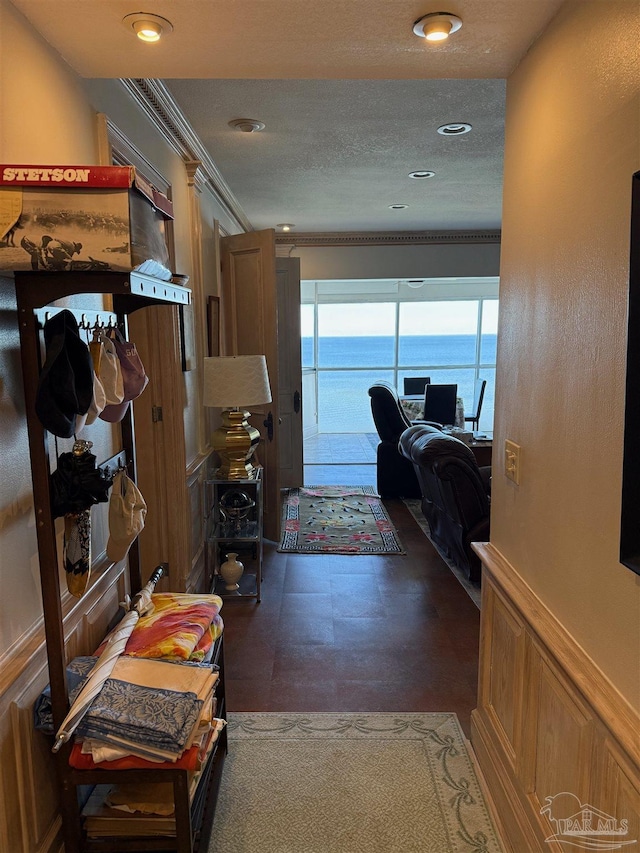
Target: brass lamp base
x: 235, y: 442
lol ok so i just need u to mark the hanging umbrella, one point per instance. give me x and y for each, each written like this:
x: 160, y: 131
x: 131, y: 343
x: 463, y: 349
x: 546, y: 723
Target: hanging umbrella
x: 104, y: 665
x: 78, y: 483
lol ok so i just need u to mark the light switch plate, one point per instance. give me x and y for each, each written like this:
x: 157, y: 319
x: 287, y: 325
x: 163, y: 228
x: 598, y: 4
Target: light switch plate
x: 512, y: 461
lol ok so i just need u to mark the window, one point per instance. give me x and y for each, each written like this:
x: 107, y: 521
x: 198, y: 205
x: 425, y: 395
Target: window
x: 348, y: 345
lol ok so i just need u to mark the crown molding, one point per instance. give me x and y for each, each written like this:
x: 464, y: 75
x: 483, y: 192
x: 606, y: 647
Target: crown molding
x: 388, y: 238
x: 160, y: 107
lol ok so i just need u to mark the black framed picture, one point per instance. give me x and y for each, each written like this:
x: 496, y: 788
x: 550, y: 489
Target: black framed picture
x: 213, y: 324
x: 630, y: 525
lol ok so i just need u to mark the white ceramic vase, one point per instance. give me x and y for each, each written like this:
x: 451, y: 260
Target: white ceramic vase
x: 231, y: 572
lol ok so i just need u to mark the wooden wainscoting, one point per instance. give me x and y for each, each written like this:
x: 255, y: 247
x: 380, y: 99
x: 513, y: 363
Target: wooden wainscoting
x: 29, y: 819
x: 548, y: 721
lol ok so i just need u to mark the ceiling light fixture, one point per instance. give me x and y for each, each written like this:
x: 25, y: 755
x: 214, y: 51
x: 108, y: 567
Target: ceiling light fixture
x: 398, y: 206
x: 286, y: 226
x: 437, y: 26
x: 147, y: 26
x: 454, y: 129
x: 247, y: 125
x: 422, y: 173
x: 415, y: 283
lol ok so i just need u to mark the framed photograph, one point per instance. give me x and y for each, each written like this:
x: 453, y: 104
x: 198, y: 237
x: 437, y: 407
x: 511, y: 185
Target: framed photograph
x: 213, y: 325
x: 187, y: 338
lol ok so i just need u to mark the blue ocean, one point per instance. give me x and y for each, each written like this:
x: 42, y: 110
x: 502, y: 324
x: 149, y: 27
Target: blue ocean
x: 343, y: 402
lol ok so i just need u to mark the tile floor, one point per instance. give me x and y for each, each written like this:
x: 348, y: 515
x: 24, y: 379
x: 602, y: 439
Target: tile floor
x: 355, y: 633
x: 340, y: 459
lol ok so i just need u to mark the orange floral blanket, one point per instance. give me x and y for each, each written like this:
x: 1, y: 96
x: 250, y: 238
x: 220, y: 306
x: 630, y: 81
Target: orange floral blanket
x: 181, y: 626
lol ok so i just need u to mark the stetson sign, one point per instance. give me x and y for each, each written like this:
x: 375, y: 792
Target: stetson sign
x: 65, y: 218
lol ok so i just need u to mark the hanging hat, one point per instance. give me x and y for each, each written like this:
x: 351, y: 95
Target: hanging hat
x: 127, y: 513
x: 111, y: 372
x: 134, y: 378
x: 99, y: 400
x: 65, y: 387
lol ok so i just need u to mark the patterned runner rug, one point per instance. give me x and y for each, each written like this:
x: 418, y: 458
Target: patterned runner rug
x: 350, y: 783
x: 337, y: 520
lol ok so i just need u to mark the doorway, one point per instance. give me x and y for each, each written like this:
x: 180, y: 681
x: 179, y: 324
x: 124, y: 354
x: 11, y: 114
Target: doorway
x: 355, y: 333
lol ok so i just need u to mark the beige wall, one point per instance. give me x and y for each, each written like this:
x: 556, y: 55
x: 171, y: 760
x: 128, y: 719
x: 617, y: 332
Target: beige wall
x: 419, y: 261
x: 572, y: 144
x: 48, y: 115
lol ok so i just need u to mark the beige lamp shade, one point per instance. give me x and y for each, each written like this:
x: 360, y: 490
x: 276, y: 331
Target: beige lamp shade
x: 235, y: 381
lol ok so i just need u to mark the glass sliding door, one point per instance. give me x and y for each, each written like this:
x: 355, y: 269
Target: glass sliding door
x: 348, y: 345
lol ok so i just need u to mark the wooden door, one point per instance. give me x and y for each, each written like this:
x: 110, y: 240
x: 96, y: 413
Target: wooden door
x: 249, y: 317
x: 289, y: 372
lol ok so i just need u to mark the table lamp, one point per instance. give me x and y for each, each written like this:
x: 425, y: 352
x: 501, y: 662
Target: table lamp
x: 231, y: 383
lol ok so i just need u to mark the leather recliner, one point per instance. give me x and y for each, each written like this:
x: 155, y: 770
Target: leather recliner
x: 396, y: 477
x: 455, y: 493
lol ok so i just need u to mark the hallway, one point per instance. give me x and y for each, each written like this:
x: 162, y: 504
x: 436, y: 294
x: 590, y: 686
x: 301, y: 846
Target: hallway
x: 355, y: 633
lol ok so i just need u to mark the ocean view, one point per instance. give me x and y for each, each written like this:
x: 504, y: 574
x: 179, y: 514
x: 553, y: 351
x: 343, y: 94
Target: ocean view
x: 343, y: 401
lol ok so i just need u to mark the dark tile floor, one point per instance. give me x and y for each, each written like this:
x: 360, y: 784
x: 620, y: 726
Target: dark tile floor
x: 355, y: 633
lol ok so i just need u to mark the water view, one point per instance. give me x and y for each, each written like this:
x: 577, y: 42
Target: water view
x: 347, y: 366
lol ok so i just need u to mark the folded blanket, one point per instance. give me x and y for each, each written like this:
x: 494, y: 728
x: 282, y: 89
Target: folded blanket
x: 80, y: 667
x: 77, y: 672
x: 151, y: 730
x: 181, y: 625
x: 148, y: 716
x: 191, y: 759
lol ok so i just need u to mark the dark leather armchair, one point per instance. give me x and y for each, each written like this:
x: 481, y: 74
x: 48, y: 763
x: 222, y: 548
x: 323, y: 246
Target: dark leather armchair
x: 455, y: 493
x: 396, y: 477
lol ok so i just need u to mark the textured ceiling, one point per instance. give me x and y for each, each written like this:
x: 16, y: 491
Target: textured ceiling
x: 351, y: 99
x: 335, y: 153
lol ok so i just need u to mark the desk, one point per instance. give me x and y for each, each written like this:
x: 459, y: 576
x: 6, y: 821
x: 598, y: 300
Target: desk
x: 482, y: 449
x: 413, y: 406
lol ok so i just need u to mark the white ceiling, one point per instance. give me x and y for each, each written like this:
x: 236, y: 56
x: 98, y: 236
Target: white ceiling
x: 350, y: 97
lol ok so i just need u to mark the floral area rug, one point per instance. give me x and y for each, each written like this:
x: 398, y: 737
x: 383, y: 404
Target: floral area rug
x: 351, y: 783
x: 337, y: 520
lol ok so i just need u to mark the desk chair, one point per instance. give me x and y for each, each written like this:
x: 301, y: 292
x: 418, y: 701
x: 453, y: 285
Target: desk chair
x: 440, y: 404
x: 415, y: 385
x: 478, y: 395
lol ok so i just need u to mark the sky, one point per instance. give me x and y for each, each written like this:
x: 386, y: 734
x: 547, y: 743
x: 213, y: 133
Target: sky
x: 416, y: 318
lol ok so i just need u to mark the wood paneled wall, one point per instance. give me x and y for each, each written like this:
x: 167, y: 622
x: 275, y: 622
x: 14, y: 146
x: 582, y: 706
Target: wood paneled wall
x: 548, y: 721
x: 29, y: 819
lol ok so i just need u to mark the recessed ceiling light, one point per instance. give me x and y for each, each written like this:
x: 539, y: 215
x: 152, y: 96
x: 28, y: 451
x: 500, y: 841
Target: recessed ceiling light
x: 285, y: 226
x: 456, y: 128
x: 422, y: 173
x: 398, y: 206
x: 247, y: 125
x: 437, y: 26
x: 147, y: 26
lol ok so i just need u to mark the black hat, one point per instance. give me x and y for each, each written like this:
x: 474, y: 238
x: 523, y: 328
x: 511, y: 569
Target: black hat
x: 65, y: 387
